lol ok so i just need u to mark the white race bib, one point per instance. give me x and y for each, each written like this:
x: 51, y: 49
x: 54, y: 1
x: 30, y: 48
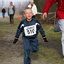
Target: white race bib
x: 30, y: 30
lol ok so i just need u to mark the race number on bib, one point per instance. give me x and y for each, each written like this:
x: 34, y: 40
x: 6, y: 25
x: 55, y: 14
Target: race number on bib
x: 30, y: 30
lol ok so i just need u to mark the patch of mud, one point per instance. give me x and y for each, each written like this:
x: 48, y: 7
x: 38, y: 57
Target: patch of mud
x: 6, y: 19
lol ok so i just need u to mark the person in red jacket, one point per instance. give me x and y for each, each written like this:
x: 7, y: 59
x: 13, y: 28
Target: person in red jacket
x: 60, y: 16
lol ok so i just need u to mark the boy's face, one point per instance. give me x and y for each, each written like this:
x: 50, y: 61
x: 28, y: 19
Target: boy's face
x: 28, y: 13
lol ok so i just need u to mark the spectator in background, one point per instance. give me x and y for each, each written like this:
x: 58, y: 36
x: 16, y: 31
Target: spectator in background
x: 33, y: 7
x: 3, y: 12
x: 11, y: 13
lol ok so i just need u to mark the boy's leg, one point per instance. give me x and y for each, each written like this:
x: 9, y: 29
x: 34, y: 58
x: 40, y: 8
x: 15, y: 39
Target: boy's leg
x: 26, y: 51
x: 34, y: 45
x: 27, y: 57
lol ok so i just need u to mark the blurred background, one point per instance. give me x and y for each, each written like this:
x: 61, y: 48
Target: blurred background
x: 21, y: 4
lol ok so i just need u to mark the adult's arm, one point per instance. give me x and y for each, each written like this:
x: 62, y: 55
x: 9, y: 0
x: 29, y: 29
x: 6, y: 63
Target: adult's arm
x: 46, y: 8
x: 47, y: 5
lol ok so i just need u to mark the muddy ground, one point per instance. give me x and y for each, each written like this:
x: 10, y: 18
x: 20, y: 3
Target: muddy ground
x: 14, y: 53
x: 11, y: 53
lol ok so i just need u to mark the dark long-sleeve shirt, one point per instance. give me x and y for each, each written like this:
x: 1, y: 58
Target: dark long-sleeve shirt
x: 29, y: 29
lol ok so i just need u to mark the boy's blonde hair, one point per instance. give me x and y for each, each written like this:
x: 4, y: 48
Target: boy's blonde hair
x: 27, y: 8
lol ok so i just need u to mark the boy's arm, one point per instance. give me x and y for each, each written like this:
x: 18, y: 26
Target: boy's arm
x: 42, y: 32
x: 19, y: 30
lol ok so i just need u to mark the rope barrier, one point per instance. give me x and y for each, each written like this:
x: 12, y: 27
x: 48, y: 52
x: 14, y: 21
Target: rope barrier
x: 48, y: 13
x: 50, y: 18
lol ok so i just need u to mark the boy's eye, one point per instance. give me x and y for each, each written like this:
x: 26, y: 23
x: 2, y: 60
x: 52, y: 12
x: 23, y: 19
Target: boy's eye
x: 28, y: 13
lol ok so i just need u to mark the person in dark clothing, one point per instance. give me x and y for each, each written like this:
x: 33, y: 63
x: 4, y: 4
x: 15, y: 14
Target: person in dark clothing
x: 3, y: 12
x: 29, y: 28
x: 11, y: 13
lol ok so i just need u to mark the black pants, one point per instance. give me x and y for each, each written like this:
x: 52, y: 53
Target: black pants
x: 3, y: 14
x: 11, y: 18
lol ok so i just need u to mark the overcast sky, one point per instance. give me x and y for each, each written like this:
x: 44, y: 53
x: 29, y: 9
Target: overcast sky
x: 5, y: 3
x: 15, y: 0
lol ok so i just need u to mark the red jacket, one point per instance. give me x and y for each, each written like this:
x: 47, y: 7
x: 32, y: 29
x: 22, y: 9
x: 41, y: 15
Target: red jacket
x: 60, y: 10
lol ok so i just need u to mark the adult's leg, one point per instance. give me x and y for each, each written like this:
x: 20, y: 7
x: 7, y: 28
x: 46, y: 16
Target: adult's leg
x: 3, y: 15
x: 61, y: 24
x: 12, y: 19
x: 26, y: 51
x: 57, y: 28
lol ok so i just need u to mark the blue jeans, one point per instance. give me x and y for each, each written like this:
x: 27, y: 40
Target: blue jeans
x: 57, y: 28
x: 29, y: 45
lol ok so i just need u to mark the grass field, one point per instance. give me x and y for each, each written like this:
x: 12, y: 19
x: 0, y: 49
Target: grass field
x: 49, y: 52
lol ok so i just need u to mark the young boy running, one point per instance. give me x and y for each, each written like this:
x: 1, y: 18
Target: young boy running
x: 29, y: 28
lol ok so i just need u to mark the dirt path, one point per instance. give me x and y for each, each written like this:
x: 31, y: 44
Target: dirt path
x: 14, y: 53
x: 11, y: 53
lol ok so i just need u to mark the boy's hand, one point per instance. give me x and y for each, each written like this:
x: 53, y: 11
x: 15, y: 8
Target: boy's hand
x: 45, y: 39
x: 14, y: 42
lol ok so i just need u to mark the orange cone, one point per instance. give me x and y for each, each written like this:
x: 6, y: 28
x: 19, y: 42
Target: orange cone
x: 19, y: 18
